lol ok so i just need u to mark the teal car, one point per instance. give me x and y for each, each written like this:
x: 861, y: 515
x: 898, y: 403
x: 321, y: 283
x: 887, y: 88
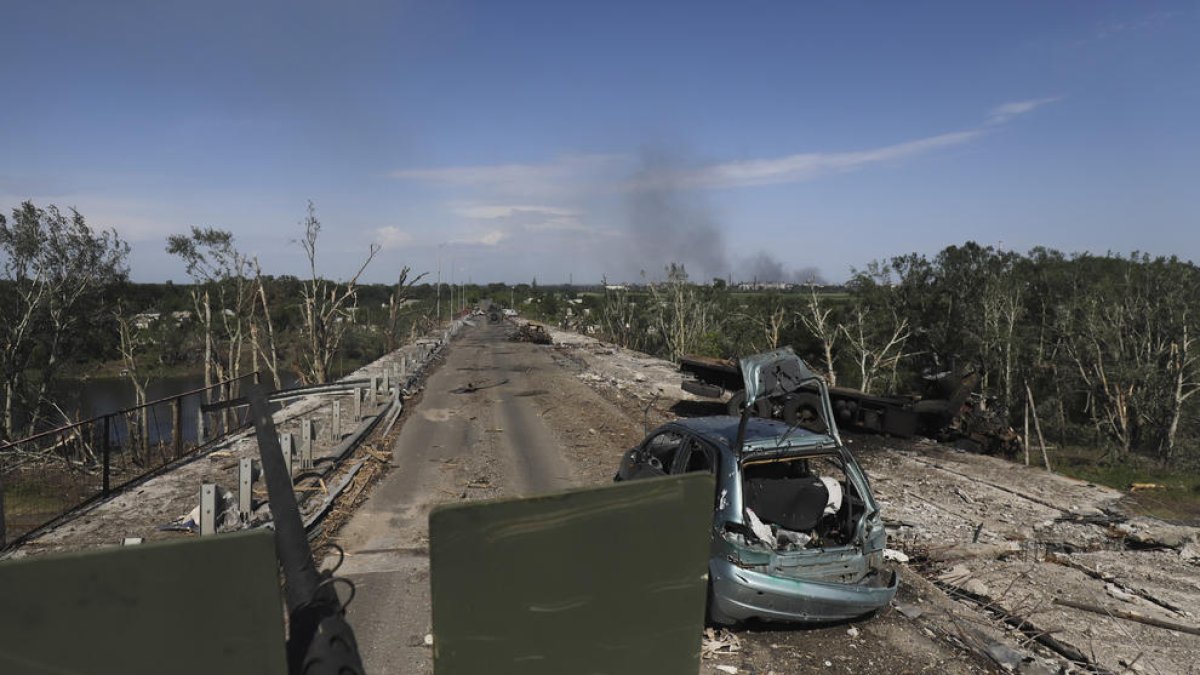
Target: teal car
x: 797, y: 535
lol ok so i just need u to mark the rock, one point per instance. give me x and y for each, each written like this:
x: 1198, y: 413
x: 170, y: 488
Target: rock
x: 892, y: 555
x: 1190, y: 552
x: 910, y: 611
x: 1119, y: 594
x: 852, y: 632
x: 1163, y: 536
x: 1004, y: 656
x: 974, y: 550
x: 726, y: 669
x: 1082, y: 512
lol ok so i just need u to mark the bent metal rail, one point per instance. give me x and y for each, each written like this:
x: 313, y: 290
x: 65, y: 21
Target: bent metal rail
x: 52, y: 473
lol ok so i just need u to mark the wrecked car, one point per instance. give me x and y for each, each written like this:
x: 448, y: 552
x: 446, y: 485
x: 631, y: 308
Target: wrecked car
x: 797, y: 534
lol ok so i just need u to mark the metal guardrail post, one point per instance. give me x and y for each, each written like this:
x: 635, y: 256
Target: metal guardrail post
x: 106, y: 448
x: 307, y: 434
x: 357, y: 405
x: 285, y: 444
x: 387, y: 379
x: 335, y: 422
x: 245, y: 484
x: 373, y: 391
x: 200, y: 425
x: 177, y: 423
x: 208, y: 509
x: 3, y: 533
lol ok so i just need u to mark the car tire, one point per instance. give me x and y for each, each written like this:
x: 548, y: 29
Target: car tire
x: 804, y: 411
x: 762, y: 407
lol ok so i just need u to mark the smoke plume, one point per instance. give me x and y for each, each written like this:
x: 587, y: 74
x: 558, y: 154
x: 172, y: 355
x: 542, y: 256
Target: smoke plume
x: 667, y: 222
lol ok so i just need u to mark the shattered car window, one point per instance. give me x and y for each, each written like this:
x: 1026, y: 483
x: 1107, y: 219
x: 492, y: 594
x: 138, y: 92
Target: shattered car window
x: 800, y: 502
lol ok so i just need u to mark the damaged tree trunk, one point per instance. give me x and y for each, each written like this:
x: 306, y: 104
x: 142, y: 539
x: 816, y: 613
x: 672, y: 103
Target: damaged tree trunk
x: 1037, y: 425
x: 1129, y: 616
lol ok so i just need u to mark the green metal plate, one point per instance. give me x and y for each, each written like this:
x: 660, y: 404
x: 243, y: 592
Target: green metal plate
x: 599, y: 580
x: 209, y: 605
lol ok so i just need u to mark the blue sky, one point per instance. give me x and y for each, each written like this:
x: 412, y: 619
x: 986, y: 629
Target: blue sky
x: 555, y: 140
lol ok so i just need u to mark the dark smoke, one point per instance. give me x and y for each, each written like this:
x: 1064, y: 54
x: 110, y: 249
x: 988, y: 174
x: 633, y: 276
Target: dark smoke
x: 670, y: 223
x: 766, y: 269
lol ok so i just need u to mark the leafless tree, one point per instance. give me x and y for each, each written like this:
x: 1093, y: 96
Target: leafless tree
x: 816, y: 319
x: 130, y: 341
x: 328, y: 307
x: 396, y: 302
x: 874, y: 353
x: 679, y: 314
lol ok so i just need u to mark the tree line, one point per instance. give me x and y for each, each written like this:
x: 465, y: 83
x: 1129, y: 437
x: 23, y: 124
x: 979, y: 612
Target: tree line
x: 1103, y: 345
x: 67, y: 306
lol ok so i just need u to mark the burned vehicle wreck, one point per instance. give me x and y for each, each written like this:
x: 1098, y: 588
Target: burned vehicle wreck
x: 797, y: 535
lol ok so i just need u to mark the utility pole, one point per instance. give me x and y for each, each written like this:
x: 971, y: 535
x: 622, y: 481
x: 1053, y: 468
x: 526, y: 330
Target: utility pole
x: 439, y: 284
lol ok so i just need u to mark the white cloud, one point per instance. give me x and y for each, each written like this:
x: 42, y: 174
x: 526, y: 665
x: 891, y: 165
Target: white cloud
x: 557, y: 179
x: 488, y: 238
x: 523, y: 180
x: 1007, y: 111
x: 807, y: 166
x: 391, y: 236
x: 523, y: 217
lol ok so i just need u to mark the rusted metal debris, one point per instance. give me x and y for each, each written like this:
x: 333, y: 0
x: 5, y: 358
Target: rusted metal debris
x: 532, y: 332
x: 949, y: 409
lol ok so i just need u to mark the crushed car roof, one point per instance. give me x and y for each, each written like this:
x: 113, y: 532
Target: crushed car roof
x: 761, y: 434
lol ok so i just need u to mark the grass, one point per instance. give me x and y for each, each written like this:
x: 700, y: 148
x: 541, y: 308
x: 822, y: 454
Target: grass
x: 1177, y: 500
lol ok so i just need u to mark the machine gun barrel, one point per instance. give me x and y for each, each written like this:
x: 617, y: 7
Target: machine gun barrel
x: 319, y: 638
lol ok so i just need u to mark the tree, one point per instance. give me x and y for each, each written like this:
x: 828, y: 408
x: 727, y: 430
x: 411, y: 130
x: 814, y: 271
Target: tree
x: 328, y: 307
x: 816, y: 319
x: 396, y: 302
x: 55, y: 273
x: 681, y: 315
x: 222, y: 277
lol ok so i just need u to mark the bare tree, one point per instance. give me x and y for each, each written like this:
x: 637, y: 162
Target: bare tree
x: 328, y: 307
x: 222, y: 277
x: 816, y: 319
x: 268, y: 351
x: 396, y: 302
x: 770, y: 320
x: 874, y: 353
x: 130, y: 341
x: 680, y: 315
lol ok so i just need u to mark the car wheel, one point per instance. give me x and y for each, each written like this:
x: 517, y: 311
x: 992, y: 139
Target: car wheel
x: 762, y: 407
x: 802, y: 411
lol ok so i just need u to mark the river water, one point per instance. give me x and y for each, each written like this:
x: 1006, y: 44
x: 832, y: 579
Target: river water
x: 92, y: 397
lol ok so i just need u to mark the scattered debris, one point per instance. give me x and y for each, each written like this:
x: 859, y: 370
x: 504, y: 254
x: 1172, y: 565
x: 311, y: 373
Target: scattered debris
x: 1138, y: 487
x: 852, y: 631
x: 532, y: 332
x: 1006, y: 657
x: 726, y: 669
x: 961, y: 578
x: 1128, y: 615
x: 1119, y: 594
x: 719, y: 642
x: 1162, y: 536
x: 892, y: 555
x: 909, y: 611
x: 966, y: 551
